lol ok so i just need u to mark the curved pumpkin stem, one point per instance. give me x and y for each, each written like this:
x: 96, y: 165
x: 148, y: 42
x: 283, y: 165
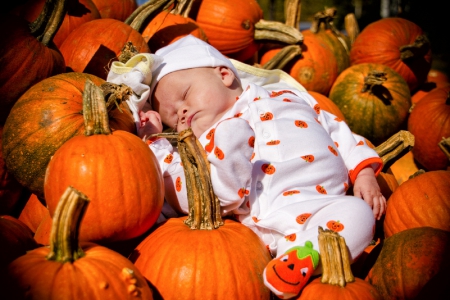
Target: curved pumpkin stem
x: 64, y: 246
x: 292, y: 12
x: 444, y: 144
x: 47, y: 24
x: 419, y: 48
x: 278, y: 32
x: 335, y: 258
x: 283, y: 57
x: 139, y: 19
x: 395, y: 147
x: 351, y: 26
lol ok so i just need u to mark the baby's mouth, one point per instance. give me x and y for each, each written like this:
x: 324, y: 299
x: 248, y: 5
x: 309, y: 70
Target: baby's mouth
x: 189, y: 120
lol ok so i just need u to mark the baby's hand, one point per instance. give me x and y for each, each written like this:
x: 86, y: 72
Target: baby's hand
x: 150, y: 123
x: 367, y: 188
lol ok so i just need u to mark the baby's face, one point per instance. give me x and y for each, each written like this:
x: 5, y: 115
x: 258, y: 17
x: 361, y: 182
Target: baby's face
x: 195, y: 98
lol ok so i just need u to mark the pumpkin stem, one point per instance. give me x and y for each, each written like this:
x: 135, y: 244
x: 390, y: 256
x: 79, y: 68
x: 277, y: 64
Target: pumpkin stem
x: 417, y: 49
x: 127, y: 52
x: 204, y: 206
x: 283, y: 57
x: 278, y: 32
x: 292, y: 10
x: 374, y: 78
x: 351, y: 26
x: 444, y: 144
x: 49, y: 20
x: 335, y: 258
x: 395, y: 147
x: 115, y: 94
x: 94, y: 110
x: 64, y: 246
x: 183, y: 8
x: 140, y: 18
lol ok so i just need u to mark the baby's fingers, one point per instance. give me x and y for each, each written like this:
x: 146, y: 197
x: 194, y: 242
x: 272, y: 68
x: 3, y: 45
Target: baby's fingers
x: 379, y: 206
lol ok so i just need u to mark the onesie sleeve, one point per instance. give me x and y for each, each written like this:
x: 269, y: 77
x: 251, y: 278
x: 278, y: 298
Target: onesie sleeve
x: 229, y: 157
x: 355, y: 151
x: 173, y: 172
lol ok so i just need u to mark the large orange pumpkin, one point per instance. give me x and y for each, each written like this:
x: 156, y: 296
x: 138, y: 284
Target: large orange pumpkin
x: 230, y: 26
x: 316, y: 69
x: 78, y: 12
x: 93, y: 46
x: 191, y: 251
x: 46, y: 116
x: 429, y: 122
x: 116, y: 170
x: 420, y: 201
x: 72, y: 270
x: 397, y: 43
x: 374, y: 99
x: 327, y: 105
x: 413, y: 264
x: 33, y: 213
x: 24, y: 59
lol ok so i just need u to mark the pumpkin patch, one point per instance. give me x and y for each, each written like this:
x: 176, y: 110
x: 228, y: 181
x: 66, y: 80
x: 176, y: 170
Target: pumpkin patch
x: 69, y: 198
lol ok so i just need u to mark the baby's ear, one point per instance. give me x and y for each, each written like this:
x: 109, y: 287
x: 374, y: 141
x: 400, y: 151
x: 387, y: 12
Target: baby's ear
x: 227, y: 75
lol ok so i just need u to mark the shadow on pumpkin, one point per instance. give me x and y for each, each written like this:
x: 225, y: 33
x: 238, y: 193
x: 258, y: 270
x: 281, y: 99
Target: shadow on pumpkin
x: 166, y: 35
x: 77, y: 9
x: 99, y: 64
x: 382, y: 93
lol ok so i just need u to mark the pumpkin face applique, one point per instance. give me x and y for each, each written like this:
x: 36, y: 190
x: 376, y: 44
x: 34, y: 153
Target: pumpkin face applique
x: 308, y: 158
x: 336, y: 226
x: 291, y: 192
x: 266, y: 117
x: 332, y: 150
x: 251, y: 141
x: 291, y: 237
x: 321, y: 189
x: 168, y: 159
x: 301, y: 124
x: 219, y: 153
x: 268, y: 169
x: 273, y: 142
x: 301, y: 219
x: 243, y: 192
x: 317, y: 108
x: 178, y: 184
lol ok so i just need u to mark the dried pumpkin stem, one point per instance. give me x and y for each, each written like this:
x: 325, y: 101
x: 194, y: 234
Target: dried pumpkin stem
x: 64, y: 246
x: 183, y: 8
x: 283, y: 57
x: 395, y: 147
x: 374, y: 78
x: 115, y: 95
x: 351, y: 27
x: 140, y: 18
x: 278, y: 32
x: 94, y: 110
x: 47, y: 24
x: 335, y: 259
x: 418, y: 49
x: 444, y: 144
x: 292, y: 9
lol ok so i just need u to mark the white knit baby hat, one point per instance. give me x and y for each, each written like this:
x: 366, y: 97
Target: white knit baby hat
x: 143, y: 71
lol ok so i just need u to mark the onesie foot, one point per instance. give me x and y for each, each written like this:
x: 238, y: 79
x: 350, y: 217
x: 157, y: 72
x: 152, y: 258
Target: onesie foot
x: 287, y: 274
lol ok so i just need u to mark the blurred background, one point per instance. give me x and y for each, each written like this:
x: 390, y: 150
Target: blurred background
x: 430, y: 15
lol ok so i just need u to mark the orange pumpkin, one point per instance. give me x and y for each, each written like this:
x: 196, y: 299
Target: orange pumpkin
x: 327, y: 104
x: 64, y: 270
x: 397, y: 43
x: 33, y: 213
x: 116, y: 9
x: 230, y: 30
x: 413, y: 264
x: 183, y: 250
x: 123, y: 161
x: 269, y: 169
x: 316, y: 69
x: 94, y: 45
x: 429, y: 122
x: 169, y: 27
x: 15, y: 240
x: 420, y: 201
x: 46, y: 116
x: 78, y: 13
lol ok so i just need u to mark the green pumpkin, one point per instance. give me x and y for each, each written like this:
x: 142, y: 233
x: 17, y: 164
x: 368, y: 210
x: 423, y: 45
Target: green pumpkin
x: 374, y: 99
